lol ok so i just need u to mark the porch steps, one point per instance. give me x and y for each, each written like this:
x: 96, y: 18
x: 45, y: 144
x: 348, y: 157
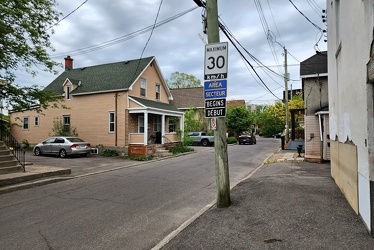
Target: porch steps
x: 158, y: 150
x: 163, y: 153
x: 8, y: 163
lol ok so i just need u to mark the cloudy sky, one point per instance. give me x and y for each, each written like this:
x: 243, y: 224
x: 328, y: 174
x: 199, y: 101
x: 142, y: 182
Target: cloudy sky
x: 118, y: 30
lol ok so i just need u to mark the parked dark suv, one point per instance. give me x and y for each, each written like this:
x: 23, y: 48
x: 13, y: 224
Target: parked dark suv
x: 247, y: 138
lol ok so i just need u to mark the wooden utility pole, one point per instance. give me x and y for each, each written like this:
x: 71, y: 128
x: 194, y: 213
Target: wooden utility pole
x: 220, y: 143
x: 286, y: 92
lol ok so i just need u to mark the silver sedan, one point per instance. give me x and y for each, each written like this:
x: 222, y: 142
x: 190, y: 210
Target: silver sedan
x: 63, y: 146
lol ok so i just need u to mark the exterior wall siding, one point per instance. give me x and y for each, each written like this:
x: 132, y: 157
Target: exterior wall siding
x: 152, y: 78
x: 312, y: 146
x: 89, y: 114
x: 350, y: 36
x: 344, y: 171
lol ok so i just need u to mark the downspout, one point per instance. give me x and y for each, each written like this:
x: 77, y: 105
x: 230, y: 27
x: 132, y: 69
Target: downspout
x: 115, y: 118
x: 320, y: 134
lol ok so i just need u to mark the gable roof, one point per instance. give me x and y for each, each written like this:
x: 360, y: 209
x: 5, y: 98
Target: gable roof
x: 153, y: 104
x: 103, y: 78
x: 314, y: 65
x: 184, y: 98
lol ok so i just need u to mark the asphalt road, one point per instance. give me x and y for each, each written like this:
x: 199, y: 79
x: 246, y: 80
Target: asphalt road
x: 129, y: 208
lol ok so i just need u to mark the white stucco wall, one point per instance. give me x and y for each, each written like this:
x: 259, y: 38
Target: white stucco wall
x: 347, y: 74
x: 350, y: 34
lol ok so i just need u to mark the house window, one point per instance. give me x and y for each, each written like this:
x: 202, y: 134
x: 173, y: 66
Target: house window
x: 141, y: 124
x: 36, y: 121
x: 25, y: 125
x: 172, y: 124
x: 112, y: 123
x: 158, y: 91
x: 66, y: 123
x: 143, y: 87
x: 157, y: 124
x: 68, y: 90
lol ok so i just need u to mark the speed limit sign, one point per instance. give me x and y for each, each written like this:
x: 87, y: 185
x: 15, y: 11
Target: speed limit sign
x: 215, y: 66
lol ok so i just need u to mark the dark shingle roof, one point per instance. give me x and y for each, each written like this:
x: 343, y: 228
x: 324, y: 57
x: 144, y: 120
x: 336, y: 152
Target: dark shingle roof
x: 101, y: 78
x: 184, y: 98
x: 316, y: 64
x: 154, y: 104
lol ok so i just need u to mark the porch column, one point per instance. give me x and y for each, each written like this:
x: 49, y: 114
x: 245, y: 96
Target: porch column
x: 162, y: 128
x: 145, y: 128
x: 181, y: 125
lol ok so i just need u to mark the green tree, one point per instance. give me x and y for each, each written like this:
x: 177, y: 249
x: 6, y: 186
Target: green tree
x: 266, y: 118
x: 25, y: 28
x: 190, y: 123
x: 183, y: 80
x: 238, y: 119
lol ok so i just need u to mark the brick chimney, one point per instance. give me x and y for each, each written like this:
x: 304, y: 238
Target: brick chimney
x: 68, y: 63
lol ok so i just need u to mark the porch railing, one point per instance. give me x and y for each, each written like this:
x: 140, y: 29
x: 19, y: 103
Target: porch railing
x: 13, y: 145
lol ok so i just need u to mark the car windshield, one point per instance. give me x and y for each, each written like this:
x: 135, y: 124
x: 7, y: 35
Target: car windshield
x: 74, y: 139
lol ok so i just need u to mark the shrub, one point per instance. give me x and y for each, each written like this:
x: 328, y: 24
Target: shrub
x: 109, y: 153
x: 138, y: 158
x: 232, y: 140
x: 180, y: 149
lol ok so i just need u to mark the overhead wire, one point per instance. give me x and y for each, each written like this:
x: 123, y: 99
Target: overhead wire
x: 149, y: 38
x: 68, y: 15
x: 121, y: 39
x: 224, y: 30
x: 315, y: 25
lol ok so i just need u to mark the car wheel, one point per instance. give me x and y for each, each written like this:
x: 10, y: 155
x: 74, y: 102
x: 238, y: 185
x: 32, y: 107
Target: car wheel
x: 62, y: 153
x: 84, y: 155
x: 205, y: 143
x: 37, y: 152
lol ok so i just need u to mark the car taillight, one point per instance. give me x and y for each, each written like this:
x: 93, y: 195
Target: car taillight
x: 88, y: 145
x: 74, y: 146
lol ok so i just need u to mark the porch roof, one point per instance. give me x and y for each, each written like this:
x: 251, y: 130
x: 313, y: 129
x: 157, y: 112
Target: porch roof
x: 153, y: 105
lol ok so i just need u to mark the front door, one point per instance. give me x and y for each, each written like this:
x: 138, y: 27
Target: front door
x: 157, y: 128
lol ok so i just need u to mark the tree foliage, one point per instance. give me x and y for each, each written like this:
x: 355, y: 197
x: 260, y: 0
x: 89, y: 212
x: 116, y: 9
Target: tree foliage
x: 190, y: 123
x: 25, y: 28
x: 183, y: 80
x: 238, y: 119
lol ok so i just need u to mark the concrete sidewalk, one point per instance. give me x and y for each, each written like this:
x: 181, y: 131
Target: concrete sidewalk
x: 285, y: 204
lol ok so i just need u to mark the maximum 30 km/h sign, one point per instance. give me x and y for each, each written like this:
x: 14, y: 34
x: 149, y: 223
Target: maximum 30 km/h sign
x: 215, y: 66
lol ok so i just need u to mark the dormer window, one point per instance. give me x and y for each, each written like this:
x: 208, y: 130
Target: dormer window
x: 68, y: 90
x: 143, y: 87
x: 158, y: 91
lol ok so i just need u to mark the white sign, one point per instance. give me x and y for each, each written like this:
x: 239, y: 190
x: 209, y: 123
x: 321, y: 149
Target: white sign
x: 213, y: 123
x: 215, y: 66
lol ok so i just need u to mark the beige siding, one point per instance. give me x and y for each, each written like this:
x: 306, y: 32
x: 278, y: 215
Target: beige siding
x: 89, y: 114
x: 326, y: 140
x: 312, y: 146
x: 152, y: 78
x: 344, y: 170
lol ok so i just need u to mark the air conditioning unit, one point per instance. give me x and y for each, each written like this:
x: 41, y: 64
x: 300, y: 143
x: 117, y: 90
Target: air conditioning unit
x: 94, y: 151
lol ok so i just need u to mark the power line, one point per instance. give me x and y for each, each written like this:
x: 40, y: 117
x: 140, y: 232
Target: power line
x: 149, y: 38
x: 315, y: 25
x: 68, y: 14
x: 121, y: 39
x: 223, y: 28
